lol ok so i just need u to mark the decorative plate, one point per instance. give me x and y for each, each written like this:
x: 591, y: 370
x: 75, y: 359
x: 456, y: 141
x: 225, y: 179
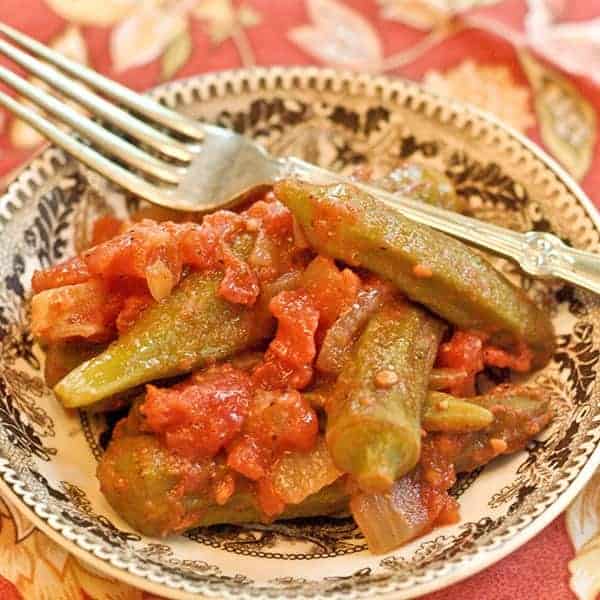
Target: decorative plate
x: 341, y: 121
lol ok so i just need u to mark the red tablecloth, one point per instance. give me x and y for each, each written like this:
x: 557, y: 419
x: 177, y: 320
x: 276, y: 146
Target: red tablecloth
x: 471, y: 49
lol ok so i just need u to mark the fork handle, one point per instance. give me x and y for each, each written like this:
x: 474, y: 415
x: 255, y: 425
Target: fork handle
x: 538, y: 253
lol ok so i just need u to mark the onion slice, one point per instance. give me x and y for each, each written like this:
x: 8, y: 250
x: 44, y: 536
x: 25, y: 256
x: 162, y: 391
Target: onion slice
x: 297, y: 475
x: 160, y: 278
x: 389, y: 520
x: 340, y: 336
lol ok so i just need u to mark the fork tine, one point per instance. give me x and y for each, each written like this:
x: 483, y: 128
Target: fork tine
x: 85, y: 154
x: 99, y: 106
x: 139, y: 104
x: 103, y: 138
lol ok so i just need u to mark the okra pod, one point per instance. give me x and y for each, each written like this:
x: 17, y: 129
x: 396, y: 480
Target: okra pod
x: 520, y: 413
x: 443, y: 412
x: 374, y: 412
x: 61, y: 359
x: 188, y: 329
x: 149, y: 487
x: 429, y: 267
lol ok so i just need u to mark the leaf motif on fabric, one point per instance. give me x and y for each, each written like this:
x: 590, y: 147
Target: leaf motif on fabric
x: 176, y: 55
x: 339, y: 36
x: 92, y: 12
x: 583, y: 525
x: 427, y: 14
x: 144, y: 35
x: 567, y: 120
x: 223, y: 20
x: 492, y: 88
x: 51, y: 552
x: 583, y: 516
x: 574, y: 46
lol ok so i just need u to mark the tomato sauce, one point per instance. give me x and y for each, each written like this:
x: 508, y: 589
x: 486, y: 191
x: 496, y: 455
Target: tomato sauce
x: 471, y: 352
x: 218, y: 415
x: 437, y: 476
x: 153, y: 257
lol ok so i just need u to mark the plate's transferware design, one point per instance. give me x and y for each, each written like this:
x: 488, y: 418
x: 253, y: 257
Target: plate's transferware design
x: 48, y: 457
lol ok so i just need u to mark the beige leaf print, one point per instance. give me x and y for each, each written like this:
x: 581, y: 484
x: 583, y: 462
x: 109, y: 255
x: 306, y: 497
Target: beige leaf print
x: 92, y: 12
x: 339, y: 36
x: 426, y: 14
x: 567, y: 120
x: 144, y: 35
x: 491, y: 88
x: 176, y: 55
x: 583, y: 525
x: 572, y: 45
x: 16, y: 560
x: 220, y: 18
x: 70, y: 43
x: 224, y: 22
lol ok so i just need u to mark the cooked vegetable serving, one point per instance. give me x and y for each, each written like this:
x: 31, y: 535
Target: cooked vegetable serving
x: 316, y: 354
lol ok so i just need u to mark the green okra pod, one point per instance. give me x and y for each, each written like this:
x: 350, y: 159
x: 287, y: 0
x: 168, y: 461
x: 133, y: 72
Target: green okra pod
x: 188, y: 329
x: 434, y: 269
x: 374, y: 412
x: 520, y: 413
x: 146, y: 485
x: 443, y: 412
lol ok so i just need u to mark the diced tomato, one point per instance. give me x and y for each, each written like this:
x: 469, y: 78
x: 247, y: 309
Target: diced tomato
x: 131, y: 253
x: 200, y: 416
x: 520, y: 362
x: 288, y: 423
x: 153, y: 254
x: 248, y: 458
x: 297, y: 321
x: 224, y: 223
x: 240, y: 283
x: 105, y: 228
x: 133, y: 306
x: 278, y: 422
x: 273, y: 374
x: 277, y: 220
x: 288, y: 360
x: 332, y: 290
x: 69, y: 272
x: 463, y: 351
x: 471, y: 352
x: 84, y: 310
x: 198, y: 246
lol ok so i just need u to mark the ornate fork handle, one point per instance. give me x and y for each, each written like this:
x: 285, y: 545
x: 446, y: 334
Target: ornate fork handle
x: 538, y: 253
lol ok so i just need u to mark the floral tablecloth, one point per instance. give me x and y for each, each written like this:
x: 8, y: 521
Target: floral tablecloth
x: 534, y: 63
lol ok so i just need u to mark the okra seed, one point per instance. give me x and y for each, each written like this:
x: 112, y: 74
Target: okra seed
x: 422, y: 271
x: 498, y: 445
x: 366, y: 400
x: 386, y: 379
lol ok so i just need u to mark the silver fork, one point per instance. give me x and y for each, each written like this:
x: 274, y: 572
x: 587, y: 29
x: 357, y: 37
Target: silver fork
x: 175, y: 162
